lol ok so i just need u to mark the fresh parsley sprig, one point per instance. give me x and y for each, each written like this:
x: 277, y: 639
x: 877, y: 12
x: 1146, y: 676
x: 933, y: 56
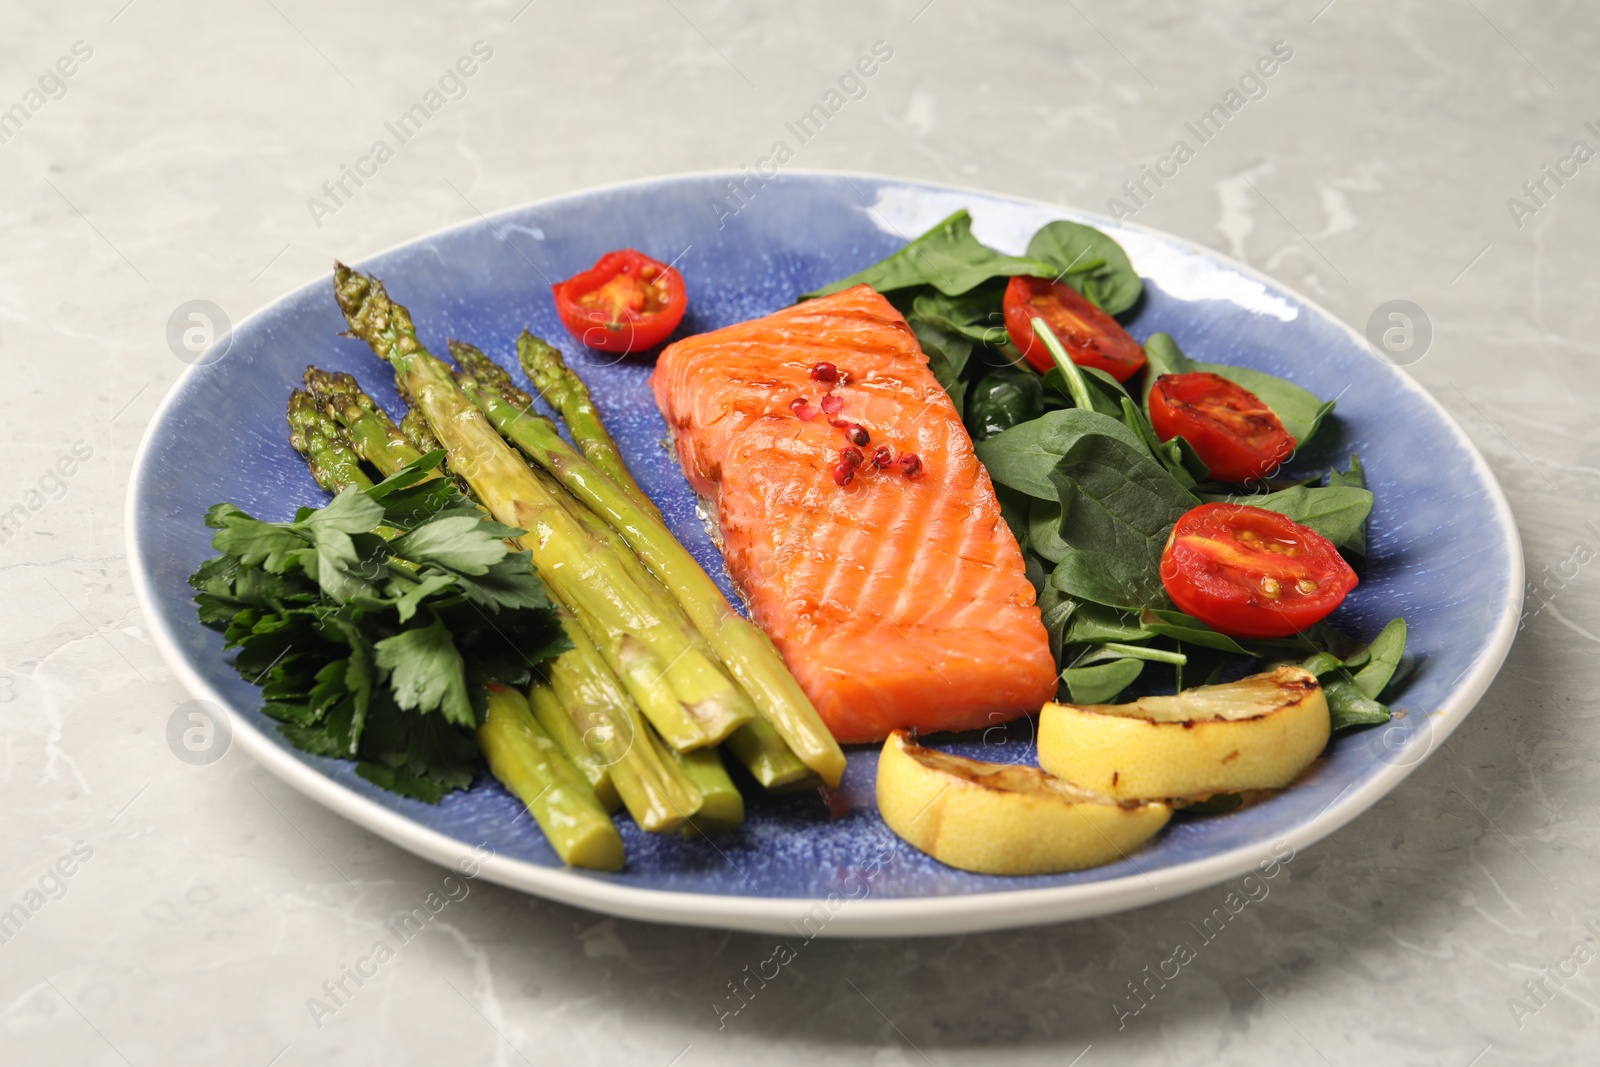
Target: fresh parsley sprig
x: 373, y: 624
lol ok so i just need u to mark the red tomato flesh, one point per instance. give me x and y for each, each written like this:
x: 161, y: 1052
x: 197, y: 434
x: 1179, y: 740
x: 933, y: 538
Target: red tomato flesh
x: 1236, y: 435
x: 1091, y: 337
x: 1250, y: 572
x: 626, y: 302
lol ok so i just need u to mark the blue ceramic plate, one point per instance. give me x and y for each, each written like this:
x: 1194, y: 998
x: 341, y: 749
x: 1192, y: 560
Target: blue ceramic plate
x: 1444, y: 551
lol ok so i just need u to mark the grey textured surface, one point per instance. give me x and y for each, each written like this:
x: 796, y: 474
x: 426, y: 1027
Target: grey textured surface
x: 177, y: 165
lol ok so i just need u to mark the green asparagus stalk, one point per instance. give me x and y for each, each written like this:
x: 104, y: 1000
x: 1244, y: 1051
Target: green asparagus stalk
x: 743, y: 648
x: 657, y: 791
x: 529, y: 763
x: 373, y: 433
x: 686, y: 696
x: 770, y: 761
x: 566, y: 392
x: 722, y: 808
x: 756, y: 744
x: 318, y: 437
x: 546, y: 708
x: 414, y: 427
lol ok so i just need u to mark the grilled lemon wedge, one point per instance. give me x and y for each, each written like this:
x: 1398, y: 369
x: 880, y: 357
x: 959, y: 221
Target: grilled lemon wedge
x: 1257, y: 733
x: 996, y: 818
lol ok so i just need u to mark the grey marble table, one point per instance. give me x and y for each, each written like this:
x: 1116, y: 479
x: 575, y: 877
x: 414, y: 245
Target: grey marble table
x: 171, y: 150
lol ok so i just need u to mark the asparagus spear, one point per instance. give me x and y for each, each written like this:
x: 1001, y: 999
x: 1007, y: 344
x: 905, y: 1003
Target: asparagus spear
x: 757, y: 745
x: 565, y: 391
x: 685, y: 695
x: 722, y: 808
x: 530, y: 764
x: 743, y: 648
x: 769, y: 760
x: 659, y: 793
x: 373, y: 433
x: 553, y: 717
x: 327, y: 450
x: 415, y: 429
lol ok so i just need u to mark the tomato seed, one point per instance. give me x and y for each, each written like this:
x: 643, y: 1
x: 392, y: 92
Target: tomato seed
x: 1306, y: 585
x: 1271, y: 587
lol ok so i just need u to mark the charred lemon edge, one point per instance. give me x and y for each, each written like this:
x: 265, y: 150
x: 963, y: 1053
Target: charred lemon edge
x: 1121, y: 751
x: 1003, y: 819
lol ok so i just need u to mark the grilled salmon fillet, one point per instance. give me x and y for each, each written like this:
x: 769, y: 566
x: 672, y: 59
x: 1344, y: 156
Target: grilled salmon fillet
x: 896, y: 600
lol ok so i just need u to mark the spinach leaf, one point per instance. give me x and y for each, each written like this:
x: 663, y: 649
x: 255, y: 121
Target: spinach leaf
x: 1321, y: 663
x: 1098, y: 684
x: 1385, y: 653
x: 1044, y: 531
x: 1320, y: 636
x: 1090, y: 262
x: 1348, y: 706
x: 1095, y: 623
x: 1188, y: 630
x: 1056, y: 611
x: 1117, y: 506
x: 1176, y: 454
x: 975, y: 314
x: 1024, y: 456
x: 947, y: 257
x: 1163, y: 356
x: 1355, y: 477
x: 1036, y: 571
x: 1205, y: 667
x: 947, y: 353
x: 1002, y: 399
x: 1014, y: 509
x: 1353, y: 699
x: 1338, y: 513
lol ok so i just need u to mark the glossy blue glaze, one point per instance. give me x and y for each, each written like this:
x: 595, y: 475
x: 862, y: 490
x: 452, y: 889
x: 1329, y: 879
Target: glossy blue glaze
x: 1442, y: 552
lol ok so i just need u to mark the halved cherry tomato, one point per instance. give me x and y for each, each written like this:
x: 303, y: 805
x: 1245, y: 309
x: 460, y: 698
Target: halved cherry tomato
x: 1250, y: 572
x: 1091, y: 337
x: 624, y: 303
x: 1236, y: 435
